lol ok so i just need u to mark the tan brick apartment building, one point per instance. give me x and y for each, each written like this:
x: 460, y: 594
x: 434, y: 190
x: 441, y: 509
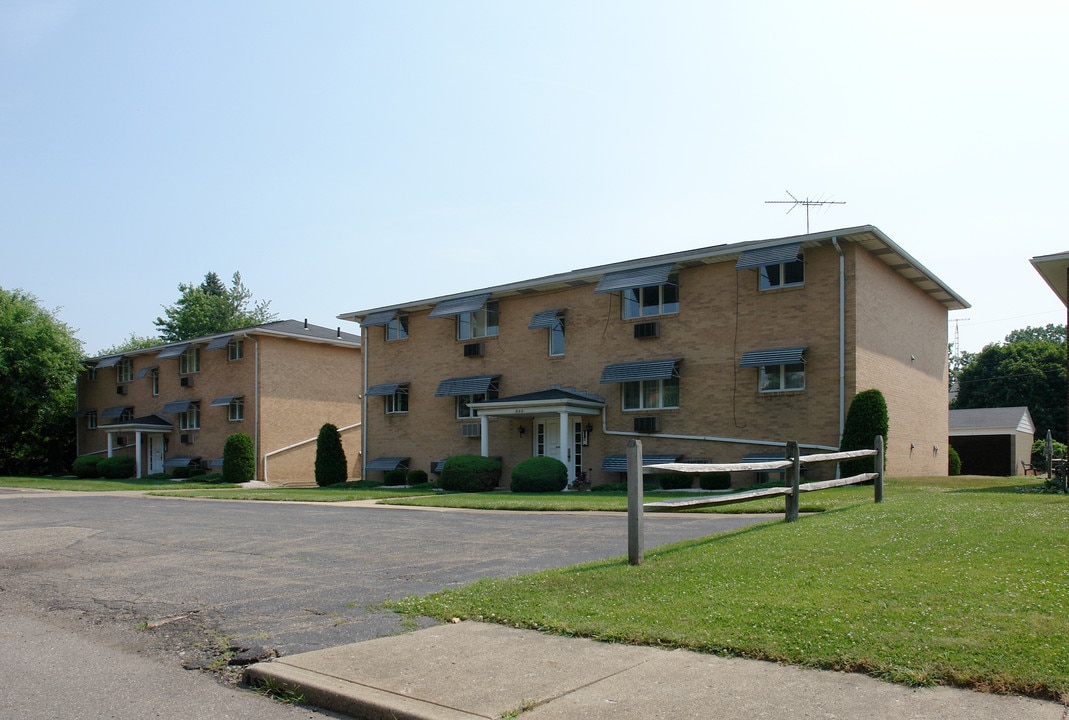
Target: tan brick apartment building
x: 176, y: 404
x: 713, y: 354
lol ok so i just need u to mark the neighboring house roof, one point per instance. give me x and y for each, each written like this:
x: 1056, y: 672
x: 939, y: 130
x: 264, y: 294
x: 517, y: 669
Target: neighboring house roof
x: 278, y: 328
x: 744, y: 254
x: 991, y: 421
x: 1053, y: 269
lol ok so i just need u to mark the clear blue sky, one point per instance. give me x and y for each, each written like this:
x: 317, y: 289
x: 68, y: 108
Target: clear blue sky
x: 345, y: 155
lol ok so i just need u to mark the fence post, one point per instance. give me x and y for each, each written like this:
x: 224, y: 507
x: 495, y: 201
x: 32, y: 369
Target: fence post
x: 793, y: 474
x: 634, y: 502
x: 878, y: 462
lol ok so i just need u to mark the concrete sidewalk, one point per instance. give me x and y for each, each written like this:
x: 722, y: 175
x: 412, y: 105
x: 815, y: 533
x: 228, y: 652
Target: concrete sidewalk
x: 471, y: 670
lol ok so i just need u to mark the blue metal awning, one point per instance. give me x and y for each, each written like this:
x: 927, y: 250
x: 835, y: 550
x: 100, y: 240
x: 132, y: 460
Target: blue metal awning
x: 646, y: 370
x: 379, y: 318
x: 386, y: 463
x: 109, y: 362
x: 779, y: 356
x: 144, y: 371
x: 217, y: 462
x: 457, y: 306
x: 219, y: 343
x: 178, y: 406
x: 383, y: 389
x: 759, y: 257
x: 221, y: 401
x: 438, y: 465
x: 113, y: 413
x: 618, y: 463
x: 545, y: 320
x: 464, y: 386
x: 637, y: 277
x: 179, y: 462
x: 172, y: 351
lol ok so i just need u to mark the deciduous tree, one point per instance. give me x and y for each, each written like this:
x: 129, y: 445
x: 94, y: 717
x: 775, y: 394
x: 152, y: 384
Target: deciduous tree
x: 211, y: 308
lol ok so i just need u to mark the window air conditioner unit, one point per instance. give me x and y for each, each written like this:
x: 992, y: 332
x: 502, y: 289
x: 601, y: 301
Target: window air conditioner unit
x: 650, y: 424
x: 120, y: 440
x: 648, y: 330
x: 186, y: 439
x: 186, y: 382
x: 120, y: 389
x: 473, y: 350
x: 471, y: 430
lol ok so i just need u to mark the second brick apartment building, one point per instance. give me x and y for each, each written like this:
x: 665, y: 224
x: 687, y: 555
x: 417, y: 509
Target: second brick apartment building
x: 714, y: 354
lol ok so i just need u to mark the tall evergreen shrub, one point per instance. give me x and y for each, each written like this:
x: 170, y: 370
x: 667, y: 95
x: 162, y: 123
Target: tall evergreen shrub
x: 330, y: 466
x: 866, y: 418
x: 239, y: 459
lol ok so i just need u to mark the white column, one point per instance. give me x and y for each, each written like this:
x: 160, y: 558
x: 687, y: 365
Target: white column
x: 484, y: 436
x: 137, y: 453
x: 109, y: 444
x: 566, y: 441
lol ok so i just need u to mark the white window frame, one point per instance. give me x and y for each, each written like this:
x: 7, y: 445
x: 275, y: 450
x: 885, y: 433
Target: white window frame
x: 775, y: 276
x: 124, y: 371
x: 466, y: 413
x: 235, y: 411
x: 91, y: 374
x: 556, y: 337
x: 648, y: 390
x: 91, y: 420
x: 652, y: 300
x: 235, y: 350
x: 190, y: 419
x: 396, y: 403
x: 189, y: 361
x: 397, y: 329
x: 775, y: 378
x: 481, y: 323
x: 155, y: 383
x: 127, y: 415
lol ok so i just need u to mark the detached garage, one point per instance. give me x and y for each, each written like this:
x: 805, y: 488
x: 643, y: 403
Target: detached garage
x: 992, y: 441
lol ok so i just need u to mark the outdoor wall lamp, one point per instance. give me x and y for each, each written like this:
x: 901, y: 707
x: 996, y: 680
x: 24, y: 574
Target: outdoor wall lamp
x: 586, y: 433
x: 522, y: 430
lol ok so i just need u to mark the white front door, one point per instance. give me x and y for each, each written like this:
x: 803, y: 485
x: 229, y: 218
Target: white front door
x: 547, y: 442
x: 155, y: 453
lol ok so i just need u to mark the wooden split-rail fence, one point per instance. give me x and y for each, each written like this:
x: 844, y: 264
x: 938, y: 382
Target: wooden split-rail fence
x: 792, y: 488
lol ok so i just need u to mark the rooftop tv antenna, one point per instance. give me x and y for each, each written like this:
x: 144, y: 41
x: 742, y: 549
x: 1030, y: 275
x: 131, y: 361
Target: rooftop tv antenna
x: 795, y: 202
x: 957, y: 337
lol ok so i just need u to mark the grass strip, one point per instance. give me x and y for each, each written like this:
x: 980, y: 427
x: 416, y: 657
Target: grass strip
x: 101, y: 485
x: 961, y: 582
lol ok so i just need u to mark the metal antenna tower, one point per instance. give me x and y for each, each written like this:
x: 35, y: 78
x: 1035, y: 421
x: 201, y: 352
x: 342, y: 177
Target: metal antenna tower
x: 957, y: 337
x: 795, y: 202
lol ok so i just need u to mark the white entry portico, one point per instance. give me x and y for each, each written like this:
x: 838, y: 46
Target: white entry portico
x: 554, y: 412
x: 153, y: 428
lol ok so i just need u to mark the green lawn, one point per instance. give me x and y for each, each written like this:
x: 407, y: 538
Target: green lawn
x: 342, y: 492
x: 959, y: 581
x: 100, y: 485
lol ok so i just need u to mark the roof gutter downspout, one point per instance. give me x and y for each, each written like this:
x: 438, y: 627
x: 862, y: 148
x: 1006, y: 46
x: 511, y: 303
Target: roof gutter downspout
x: 842, y: 342
x: 706, y: 438
x: 363, y: 405
x: 256, y: 413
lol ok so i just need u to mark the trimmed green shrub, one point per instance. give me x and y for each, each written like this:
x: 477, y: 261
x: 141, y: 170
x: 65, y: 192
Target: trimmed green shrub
x: 239, y: 459
x: 181, y: 472
x: 953, y: 461
x: 395, y: 477
x: 674, y: 481
x: 866, y: 418
x: 647, y: 486
x: 118, y: 467
x: 539, y: 474
x: 197, y: 471
x: 715, y: 481
x: 85, y: 467
x: 417, y: 477
x: 470, y: 473
x: 330, y: 465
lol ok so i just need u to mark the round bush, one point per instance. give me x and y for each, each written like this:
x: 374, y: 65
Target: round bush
x: 118, y: 467
x: 417, y: 477
x: 394, y: 477
x: 86, y: 467
x: 715, y: 481
x: 953, y: 461
x: 674, y: 481
x: 239, y: 459
x: 470, y: 473
x: 539, y: 474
